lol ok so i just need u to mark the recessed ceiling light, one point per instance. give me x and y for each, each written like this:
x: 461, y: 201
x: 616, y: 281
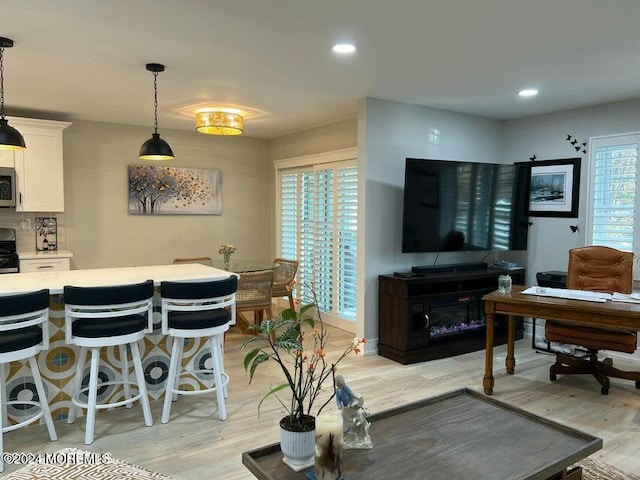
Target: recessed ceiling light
x: 344, y: 48
x: 528, y: 92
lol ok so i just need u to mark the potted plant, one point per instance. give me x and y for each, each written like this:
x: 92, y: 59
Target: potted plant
x: 296, y: 342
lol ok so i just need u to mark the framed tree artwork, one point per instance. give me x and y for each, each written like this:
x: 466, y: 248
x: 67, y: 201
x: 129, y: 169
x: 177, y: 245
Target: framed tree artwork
x: 158, y: 190
x: 554, y: 188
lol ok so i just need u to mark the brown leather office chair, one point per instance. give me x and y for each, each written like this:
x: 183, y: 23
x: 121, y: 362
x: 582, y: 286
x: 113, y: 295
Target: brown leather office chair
x: 600, y: 269
x: 283, y: 275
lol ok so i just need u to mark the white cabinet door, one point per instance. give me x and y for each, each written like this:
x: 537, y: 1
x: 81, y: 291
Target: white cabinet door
x: 6, y: 158
x: 39, y: 167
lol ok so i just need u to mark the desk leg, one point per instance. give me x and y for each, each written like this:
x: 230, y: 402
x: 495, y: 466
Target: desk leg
x: 510, y: 361
x: 487, y: 381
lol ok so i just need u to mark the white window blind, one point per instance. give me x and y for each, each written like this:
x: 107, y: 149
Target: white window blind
x: 613, y: 192
x: 318, y: 227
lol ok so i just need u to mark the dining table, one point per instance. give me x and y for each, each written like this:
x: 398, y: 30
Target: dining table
x: 243, y: 266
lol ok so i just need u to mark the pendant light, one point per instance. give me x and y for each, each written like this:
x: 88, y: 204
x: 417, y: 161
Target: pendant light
x: 155, y: 148
x: 10, y: 138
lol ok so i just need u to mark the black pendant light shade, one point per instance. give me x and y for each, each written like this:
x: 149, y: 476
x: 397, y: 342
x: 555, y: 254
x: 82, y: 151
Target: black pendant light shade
x: 10, y: 138
x: 155, y: 148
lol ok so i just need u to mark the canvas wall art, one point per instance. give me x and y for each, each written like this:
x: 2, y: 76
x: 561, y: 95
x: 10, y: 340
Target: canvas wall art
x: 159, y: 190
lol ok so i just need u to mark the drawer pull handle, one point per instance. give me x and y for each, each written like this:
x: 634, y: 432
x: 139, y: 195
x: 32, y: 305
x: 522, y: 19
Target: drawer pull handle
x: 45, y: 266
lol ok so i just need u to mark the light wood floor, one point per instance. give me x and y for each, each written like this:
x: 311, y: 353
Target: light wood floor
x: 196, y: 444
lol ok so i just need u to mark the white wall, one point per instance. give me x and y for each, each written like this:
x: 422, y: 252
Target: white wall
x: 388, y: 133
x: 545, y: 136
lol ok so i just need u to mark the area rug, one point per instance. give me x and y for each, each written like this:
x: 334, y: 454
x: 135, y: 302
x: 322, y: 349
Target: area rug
x: 72, y: 463
x: 597, y: 470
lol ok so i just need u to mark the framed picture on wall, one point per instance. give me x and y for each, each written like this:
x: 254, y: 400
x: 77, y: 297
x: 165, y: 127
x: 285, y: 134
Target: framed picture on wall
x: 160, y: 190
x: 554, y: 188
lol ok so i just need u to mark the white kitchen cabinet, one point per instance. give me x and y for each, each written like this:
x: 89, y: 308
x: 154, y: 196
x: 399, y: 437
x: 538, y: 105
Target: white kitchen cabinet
x: 39, y: 167
x: 44, y: 265
x: 6, y: 158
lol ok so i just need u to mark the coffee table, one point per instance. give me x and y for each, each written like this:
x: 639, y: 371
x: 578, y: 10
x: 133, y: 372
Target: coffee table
x: 459, y: 435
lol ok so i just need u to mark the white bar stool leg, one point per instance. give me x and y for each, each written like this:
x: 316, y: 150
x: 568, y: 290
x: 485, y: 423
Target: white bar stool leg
x: 82, y: 353
x: 124, y: 362
x: 3, y: 409
x: 214, y: 341
x: 221, y: 337
x: 42, y: 397
x: 171, y: 378
x: 4, y: 419
x: 142, y: 385
x: 176, y: 384
x: 93, y: 396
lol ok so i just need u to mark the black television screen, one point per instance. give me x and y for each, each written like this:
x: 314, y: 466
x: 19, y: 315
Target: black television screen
x: 452, y: 205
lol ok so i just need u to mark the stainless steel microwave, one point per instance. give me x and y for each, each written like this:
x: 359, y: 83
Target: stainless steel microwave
x: 7, y: 187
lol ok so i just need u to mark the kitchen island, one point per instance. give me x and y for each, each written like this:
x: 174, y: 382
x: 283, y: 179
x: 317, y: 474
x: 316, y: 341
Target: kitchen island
x: 57, y: 365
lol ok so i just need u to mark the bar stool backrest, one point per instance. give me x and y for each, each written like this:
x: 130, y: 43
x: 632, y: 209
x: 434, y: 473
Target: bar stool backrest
x: 198, y: 296
x: 25, y: 310
x: 108, y: 302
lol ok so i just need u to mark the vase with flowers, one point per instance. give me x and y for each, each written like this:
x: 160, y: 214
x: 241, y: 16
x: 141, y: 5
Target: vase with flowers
x: 226, y: 249
x: 297, y: 342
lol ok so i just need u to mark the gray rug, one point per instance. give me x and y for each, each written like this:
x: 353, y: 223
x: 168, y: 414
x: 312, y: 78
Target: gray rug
x: 75, y: 464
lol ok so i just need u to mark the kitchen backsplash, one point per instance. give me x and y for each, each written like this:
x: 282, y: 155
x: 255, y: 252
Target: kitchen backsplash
x: 26, y: 237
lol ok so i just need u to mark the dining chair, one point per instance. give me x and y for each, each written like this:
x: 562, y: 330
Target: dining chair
x: 254, y: 294
x: 24, y: 332
x: 97, y: 317
x: 283, y: 277
x: 197, y: 309
x: 203, y: 260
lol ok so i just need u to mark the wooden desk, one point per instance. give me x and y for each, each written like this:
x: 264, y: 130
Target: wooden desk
x: 458, y: 435
x: 610, y: 314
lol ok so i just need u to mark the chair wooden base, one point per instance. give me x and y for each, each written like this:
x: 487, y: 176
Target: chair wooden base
x: 600, y: 369
x: 258, y: 315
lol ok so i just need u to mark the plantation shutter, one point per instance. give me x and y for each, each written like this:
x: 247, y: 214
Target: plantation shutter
x: 614, y: 165
x: 347, y: 230
x: 318, y: 227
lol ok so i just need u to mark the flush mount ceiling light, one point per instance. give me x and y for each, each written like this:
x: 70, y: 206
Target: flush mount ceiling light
x: 155, y: 148
x: 10, y: 138
x: 528, y: 92
x: 344, y: 48
x: 218, y: 122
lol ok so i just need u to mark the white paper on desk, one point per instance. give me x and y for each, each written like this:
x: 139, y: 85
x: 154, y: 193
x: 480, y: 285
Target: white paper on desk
x: 585, y: 295
x: 622, y: 297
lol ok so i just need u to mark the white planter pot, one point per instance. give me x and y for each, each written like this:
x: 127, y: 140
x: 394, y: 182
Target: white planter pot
x: 298, y: 448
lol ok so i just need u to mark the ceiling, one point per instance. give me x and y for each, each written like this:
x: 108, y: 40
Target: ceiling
x: 85, y: 59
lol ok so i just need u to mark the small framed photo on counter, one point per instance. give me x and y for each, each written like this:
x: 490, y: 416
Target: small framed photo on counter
x: 46, y: 234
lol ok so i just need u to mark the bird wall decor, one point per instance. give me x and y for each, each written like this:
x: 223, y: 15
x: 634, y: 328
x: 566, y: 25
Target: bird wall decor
x: 577, y: 145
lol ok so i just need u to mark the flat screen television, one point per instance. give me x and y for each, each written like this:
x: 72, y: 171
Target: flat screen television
x: 464, y: 206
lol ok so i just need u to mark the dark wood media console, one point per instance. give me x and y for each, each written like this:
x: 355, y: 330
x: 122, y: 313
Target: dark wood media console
x: 438, y: 315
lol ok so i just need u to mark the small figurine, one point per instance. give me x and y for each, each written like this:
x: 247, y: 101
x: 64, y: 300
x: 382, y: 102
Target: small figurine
x: 354, y: 416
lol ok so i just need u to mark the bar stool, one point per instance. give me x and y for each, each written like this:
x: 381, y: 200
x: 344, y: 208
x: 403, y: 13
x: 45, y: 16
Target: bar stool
x: 24, y: 331
x: 97, y: 317
x: 197, y: 309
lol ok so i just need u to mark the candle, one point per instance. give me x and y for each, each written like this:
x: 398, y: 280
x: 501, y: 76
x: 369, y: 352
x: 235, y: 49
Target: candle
x: 329, y: 446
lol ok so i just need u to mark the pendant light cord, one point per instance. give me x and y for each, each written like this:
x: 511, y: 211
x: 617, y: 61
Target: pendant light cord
x: 155, y: 101
x: 2, y: 81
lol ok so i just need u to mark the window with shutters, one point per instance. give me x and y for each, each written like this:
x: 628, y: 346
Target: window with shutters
x: 317, y: 215
x: 613, y: 192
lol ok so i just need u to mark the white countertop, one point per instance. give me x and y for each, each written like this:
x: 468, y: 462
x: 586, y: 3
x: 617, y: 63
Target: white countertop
x: 55, y: 281
x: 45, y: 254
